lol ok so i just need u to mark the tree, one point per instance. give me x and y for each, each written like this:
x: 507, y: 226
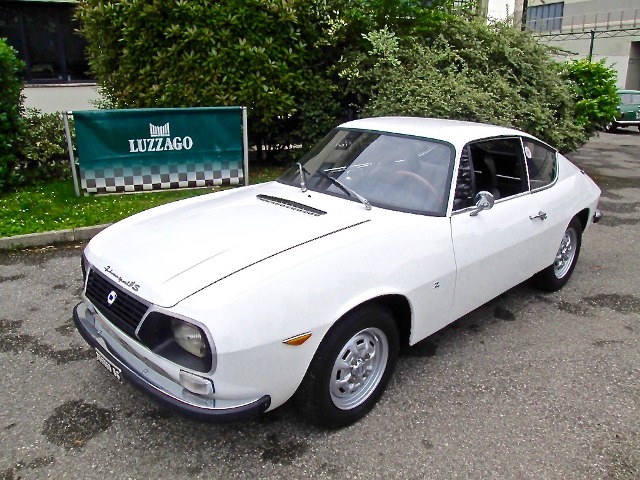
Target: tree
x: 594, y: 91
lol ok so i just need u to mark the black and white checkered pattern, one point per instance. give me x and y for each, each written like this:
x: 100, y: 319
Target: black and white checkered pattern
x: 146, y: 178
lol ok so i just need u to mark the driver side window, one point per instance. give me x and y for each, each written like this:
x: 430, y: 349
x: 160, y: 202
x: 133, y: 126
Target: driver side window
x: 495, y: 166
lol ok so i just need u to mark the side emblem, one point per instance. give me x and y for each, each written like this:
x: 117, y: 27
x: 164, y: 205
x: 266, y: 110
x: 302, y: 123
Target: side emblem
x: 111, y: 298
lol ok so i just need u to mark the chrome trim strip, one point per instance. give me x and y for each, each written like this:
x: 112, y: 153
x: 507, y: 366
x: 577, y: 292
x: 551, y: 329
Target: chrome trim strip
x: 473, y: 207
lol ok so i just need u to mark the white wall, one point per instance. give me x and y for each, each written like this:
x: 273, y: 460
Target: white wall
x: 617, y: 52
x: 500, y: 9
x: 59, y: 98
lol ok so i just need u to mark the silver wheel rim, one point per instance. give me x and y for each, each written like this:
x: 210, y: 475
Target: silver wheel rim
x: 566, y: 253
x: 358, y: 368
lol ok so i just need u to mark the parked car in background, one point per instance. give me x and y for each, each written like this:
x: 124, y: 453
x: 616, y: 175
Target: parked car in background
x: 226, y: 305
x: 628, y: 110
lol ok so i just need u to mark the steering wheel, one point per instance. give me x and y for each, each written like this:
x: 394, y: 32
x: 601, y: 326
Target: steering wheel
x: 417, y: 179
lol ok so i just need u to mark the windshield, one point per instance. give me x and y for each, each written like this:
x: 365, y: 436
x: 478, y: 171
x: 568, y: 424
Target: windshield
x: 629, y: 98
x: 390, y: 171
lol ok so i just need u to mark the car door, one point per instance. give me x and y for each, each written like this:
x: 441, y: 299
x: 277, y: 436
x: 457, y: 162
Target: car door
x: 502, y: 246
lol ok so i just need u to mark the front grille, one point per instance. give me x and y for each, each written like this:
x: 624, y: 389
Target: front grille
x: 125, y: 312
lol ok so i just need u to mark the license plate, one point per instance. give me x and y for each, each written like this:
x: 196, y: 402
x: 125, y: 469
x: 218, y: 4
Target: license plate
x: 108, y: 364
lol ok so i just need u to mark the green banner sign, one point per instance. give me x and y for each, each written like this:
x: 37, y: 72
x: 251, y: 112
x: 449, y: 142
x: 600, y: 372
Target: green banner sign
x: 148, y: 149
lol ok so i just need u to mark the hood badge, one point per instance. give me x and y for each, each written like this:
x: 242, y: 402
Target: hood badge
x: 129, y: 283
x: 111, y: 297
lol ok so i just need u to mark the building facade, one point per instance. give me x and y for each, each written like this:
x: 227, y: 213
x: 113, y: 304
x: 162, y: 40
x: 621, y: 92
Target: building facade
x: 606, y: 30
x: 44, y: 35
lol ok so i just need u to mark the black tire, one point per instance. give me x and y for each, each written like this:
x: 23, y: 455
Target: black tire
x: 323, y: 396
x: 556, y: 275
x: 611, y: 128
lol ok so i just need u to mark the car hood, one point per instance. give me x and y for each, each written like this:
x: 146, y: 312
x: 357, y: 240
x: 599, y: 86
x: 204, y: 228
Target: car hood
x: 167, y: 253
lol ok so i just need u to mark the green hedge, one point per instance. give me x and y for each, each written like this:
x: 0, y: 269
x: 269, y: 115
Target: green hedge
x: 42, y: 149
x: 470, y: 71
x: 594, y: 91
x: 303, y: 66
x: 10, y: 107
x: 200, y: 53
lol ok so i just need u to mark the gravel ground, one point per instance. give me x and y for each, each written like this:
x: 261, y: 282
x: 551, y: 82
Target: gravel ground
x: 529, y: 386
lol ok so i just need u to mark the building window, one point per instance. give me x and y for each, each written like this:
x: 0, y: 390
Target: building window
x: 545, y: 18
x: 44, y: 34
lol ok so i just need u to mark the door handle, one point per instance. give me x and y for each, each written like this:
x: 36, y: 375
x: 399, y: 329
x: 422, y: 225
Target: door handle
x: 541, y: 215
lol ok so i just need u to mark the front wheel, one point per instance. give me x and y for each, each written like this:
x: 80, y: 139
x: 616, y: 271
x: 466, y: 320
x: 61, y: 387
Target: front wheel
x: 351, y: 368
x: 556, y: 275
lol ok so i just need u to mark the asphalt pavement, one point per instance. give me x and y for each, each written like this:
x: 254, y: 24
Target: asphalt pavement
x: 531, y: 385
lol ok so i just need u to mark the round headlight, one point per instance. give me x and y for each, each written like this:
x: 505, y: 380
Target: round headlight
x: 189, y: 337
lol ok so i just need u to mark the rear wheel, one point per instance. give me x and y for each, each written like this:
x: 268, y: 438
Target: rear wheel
x: 556, y: 275
x: 351, y: 368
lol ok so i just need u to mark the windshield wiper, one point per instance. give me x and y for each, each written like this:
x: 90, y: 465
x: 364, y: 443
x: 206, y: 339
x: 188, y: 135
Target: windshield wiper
x: 346, y: 189
x: 303, y: 183
x: 336, y: 182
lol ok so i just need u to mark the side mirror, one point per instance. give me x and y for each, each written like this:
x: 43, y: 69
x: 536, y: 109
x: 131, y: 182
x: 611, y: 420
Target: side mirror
x: 484, y: 201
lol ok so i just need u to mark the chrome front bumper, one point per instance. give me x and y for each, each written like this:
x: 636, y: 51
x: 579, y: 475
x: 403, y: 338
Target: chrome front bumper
x: 159, y: 387
x: 627, y: 123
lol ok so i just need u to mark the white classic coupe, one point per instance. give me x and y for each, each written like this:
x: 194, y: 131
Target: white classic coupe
x: 226, y: 305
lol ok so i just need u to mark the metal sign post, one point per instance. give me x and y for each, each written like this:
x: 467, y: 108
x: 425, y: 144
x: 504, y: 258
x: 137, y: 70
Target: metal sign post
x: 72, y: 160
x: 245, y: 146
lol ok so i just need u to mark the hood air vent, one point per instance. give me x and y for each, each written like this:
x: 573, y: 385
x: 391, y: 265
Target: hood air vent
x: 298, y: 207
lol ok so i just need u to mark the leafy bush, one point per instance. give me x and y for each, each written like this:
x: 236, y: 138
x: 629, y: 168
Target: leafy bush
x: 10, y: 107
x: 42, y: 149
x: 470, y: 71
x: 275, y: 57
x: 594, y: 91
x: 200, y: 53
x: 303, y: 66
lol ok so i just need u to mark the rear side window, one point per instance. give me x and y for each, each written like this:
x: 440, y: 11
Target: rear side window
x: 541, y: 162
x: 498, y: 167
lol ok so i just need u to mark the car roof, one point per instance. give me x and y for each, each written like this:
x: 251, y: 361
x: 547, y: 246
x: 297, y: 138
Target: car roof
x: 456, y: 132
